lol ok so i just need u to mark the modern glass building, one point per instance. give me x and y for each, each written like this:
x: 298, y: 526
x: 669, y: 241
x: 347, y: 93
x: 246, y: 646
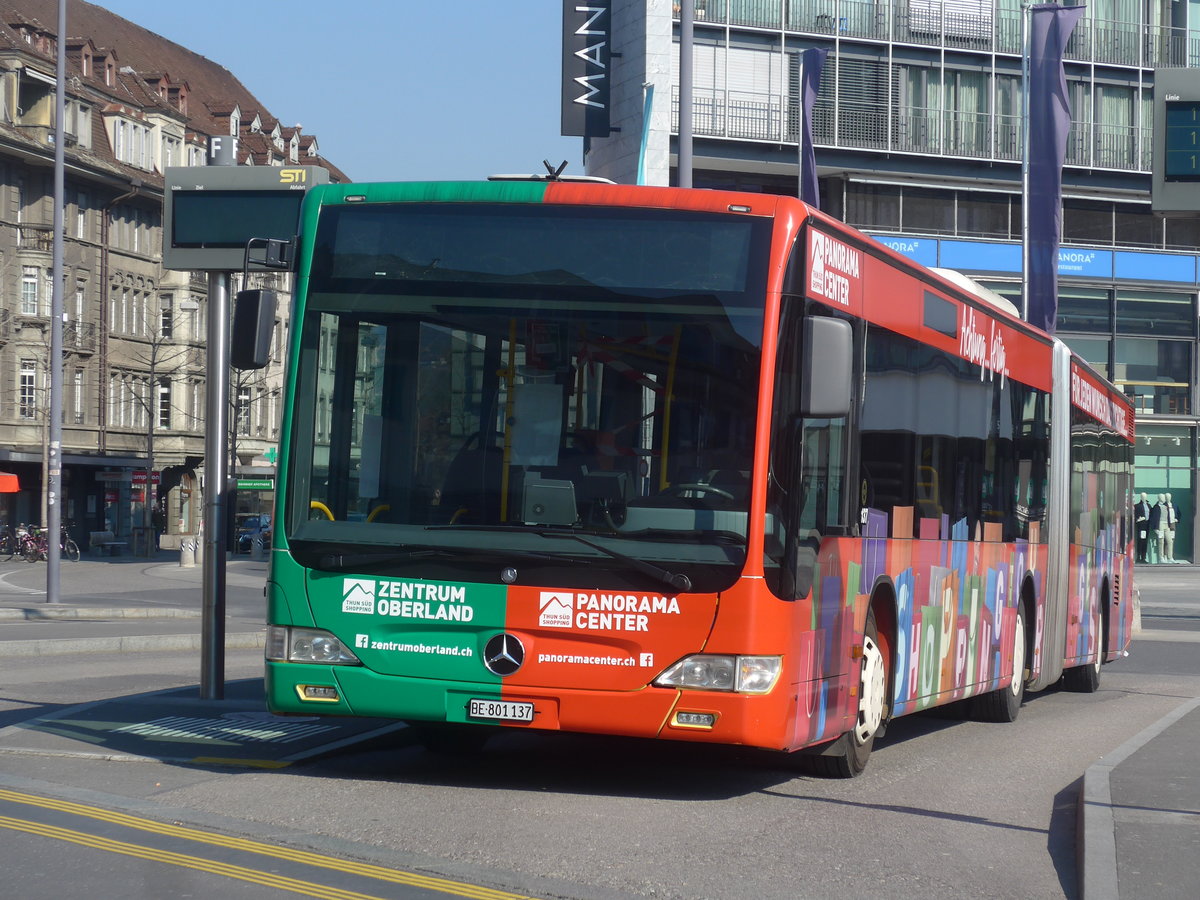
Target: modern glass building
x: 919, y: 132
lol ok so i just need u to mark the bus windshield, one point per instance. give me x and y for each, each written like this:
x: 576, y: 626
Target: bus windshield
x: 485, y: 386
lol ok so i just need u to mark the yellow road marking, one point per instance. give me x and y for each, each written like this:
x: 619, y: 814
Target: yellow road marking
x: 179, y: 859
x: 380, y: 873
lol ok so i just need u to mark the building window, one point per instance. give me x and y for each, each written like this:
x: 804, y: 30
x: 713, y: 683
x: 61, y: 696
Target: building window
x: 1159, y: 313
x: 1136, y: 227
x: 1155, y: 375
x: 929, y: 211
x: 166, y: 318
x: 1084, y: 309
x: 78, y: 397
x: 27, y: 388
x: 30, y: 301
x: 985, y: 215
x: 243, y: 411
x: 164, y: 403
x: 873, y: 205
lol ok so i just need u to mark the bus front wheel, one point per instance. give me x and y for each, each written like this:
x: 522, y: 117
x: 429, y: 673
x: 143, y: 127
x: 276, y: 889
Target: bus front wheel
x: 847, y: 756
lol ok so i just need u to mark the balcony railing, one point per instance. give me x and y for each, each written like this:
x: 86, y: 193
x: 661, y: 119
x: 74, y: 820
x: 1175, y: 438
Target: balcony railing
x: 871, y: 126
x: 36, y: 237
x: 80, y: 337
x: 933, y: 24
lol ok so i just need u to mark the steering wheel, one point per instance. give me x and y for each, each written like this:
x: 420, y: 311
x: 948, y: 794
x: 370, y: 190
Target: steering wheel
x: 701, y: 488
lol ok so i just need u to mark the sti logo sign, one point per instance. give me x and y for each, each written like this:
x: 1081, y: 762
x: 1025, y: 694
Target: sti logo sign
x: 586, y: 69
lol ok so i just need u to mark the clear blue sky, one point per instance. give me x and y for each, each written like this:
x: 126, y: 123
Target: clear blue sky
x: 393, y: 89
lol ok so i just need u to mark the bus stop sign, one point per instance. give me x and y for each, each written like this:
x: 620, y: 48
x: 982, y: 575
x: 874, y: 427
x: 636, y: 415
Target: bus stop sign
x: 211, y: 212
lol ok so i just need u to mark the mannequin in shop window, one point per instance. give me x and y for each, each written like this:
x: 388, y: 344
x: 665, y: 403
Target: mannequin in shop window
x: 1154, y: 544
x: 1160, y: 530
x: 1141, y: 515
x: 1169, y: 520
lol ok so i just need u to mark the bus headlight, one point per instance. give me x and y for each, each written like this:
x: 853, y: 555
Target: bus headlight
x: 716, y: 672
x: 307, y: 645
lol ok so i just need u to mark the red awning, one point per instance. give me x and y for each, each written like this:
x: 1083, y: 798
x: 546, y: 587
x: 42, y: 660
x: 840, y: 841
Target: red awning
x: 8, y: 483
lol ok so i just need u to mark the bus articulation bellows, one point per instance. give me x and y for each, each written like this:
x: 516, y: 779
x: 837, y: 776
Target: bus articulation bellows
x: 677, y: 464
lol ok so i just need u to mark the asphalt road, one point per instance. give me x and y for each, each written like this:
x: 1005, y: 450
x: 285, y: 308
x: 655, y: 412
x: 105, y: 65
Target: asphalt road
x: 946, y: 808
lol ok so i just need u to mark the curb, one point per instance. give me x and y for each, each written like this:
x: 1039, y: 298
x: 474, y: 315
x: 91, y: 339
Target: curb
x: 1097, y: 843
x: 38, y: 613
x: 249, y: 640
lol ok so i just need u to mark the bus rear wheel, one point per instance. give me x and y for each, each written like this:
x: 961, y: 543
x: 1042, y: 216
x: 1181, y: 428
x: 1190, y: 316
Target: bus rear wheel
x: 1084, y: 679
x: 1003, y: 705
x: 847, y: 756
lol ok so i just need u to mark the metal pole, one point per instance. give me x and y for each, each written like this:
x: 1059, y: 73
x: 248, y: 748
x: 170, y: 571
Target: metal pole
x: 687, y: 18
x: 1025, y: 161
x: 222, y: 151
x: 54, y: 425
x: 216, y: 489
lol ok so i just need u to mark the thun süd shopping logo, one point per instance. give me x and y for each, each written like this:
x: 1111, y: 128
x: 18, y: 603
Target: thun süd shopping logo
x: 358, y: 595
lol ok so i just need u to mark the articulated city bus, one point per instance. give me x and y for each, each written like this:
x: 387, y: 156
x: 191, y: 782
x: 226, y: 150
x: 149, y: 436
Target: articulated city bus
x: 676, y: 464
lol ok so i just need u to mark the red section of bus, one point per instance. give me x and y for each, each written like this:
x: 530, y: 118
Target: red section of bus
x: 873, y: 287
x: 1105, y: 404
x: 578, y: 639
x: 585, y: 194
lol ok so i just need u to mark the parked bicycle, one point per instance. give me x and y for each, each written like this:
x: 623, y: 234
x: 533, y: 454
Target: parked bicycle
x: 10, y: 545
x: 35, y: 545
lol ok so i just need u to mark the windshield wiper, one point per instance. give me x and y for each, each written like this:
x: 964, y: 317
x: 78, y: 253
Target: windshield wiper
x: 724, y: 538
x: 675, y: 580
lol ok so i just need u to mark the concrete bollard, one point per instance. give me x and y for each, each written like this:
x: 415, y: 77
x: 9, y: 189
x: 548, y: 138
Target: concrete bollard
x: 187, y: 551
x: 257, y: 548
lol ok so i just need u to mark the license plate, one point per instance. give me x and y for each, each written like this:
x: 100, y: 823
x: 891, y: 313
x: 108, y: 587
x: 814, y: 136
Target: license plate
x: 500, y: 709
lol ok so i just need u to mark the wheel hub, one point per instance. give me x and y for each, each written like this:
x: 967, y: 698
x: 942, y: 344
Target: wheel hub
x: 871, y: 692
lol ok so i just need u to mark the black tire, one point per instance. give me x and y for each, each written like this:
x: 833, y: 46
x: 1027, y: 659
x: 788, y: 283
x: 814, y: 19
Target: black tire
x: 32, y: 552
x: 1085, y: 679
x: 847, y: 756
x: 71, y: 550
x: 1004, y: 704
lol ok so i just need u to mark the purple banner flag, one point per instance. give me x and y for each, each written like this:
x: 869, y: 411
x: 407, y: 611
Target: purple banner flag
x: 811, y: 63
x: 1050, y: 27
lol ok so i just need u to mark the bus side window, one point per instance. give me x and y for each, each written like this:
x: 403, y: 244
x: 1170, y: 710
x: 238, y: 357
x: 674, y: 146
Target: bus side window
x: 808, y: 452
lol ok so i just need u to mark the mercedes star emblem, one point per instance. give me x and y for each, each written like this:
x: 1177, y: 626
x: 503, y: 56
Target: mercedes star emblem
x: 503, y: 654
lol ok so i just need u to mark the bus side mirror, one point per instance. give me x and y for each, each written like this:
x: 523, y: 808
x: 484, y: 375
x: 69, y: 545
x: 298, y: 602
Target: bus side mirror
x: 828, y: 354
x: 253, y: 322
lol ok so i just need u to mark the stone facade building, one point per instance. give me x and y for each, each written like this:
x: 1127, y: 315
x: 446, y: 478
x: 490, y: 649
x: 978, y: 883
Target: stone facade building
x: 134, y: 333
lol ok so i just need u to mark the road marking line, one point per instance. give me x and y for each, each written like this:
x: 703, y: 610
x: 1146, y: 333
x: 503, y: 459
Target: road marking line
x: 16, y: 588
x: 380, y: 873
x: 214, y: 867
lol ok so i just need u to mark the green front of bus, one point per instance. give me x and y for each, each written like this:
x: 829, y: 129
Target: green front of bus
x: 515, y: 477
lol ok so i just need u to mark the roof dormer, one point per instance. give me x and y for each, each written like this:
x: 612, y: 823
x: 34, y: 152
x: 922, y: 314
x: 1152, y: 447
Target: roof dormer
x: 106, y: 65
x: 80, y: 52
x: 177, y: 96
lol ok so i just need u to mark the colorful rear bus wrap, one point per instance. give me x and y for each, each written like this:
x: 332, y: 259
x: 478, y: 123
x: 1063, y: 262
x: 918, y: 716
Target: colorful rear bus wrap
x: 677, y: 464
